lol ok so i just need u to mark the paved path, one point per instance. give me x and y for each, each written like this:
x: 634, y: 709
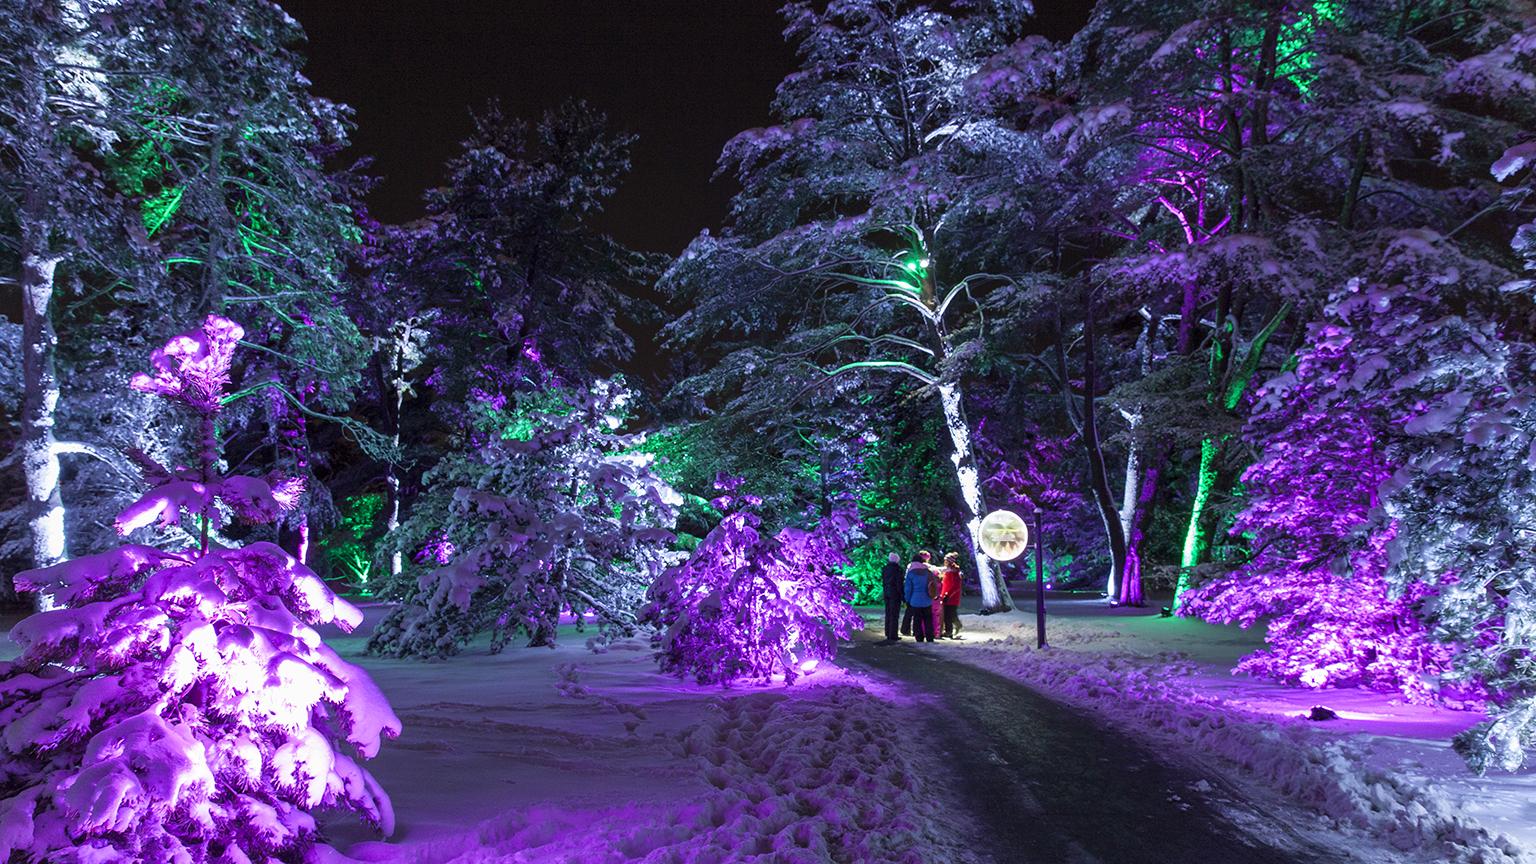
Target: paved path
x: 1054, y: 787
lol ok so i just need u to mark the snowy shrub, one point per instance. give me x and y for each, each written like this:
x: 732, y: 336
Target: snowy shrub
x: 1317, y: 569
x: 1392, y: 504
x: 559, y: 514
x: 181, y: 707
x: 749, y: 604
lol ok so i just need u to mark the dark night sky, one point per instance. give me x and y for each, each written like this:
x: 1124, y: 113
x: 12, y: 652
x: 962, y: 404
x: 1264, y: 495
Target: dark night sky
x: 685, y: 75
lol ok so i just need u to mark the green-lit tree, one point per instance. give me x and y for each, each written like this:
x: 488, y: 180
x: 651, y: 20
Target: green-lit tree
x: 852, y: 249
x: 171, y: 162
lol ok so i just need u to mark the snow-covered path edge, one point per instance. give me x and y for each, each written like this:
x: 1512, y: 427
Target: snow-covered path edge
x: 1155, y: 696
x: 566, y: 756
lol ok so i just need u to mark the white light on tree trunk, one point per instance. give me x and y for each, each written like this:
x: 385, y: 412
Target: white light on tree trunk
x: 1004, y: 536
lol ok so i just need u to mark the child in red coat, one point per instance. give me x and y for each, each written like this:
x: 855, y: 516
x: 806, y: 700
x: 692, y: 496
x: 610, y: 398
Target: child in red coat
x: 949, y: 594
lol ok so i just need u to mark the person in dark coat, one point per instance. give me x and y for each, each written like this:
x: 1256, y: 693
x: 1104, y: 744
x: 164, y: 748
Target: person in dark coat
x: 892, y: 580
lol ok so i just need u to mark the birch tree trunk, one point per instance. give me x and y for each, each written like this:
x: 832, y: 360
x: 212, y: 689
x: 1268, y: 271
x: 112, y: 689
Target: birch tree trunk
x: 1126, y: 593
x: 39, y: 341
x: 40, y: 399
x: 994, y: 592
x: 1129, y: 496
x: 392, y: 482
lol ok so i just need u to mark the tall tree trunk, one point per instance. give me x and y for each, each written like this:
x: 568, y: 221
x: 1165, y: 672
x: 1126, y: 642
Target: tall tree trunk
x: 39, y: 341
x: 208, y: 460
x: 392, y: 482
x: 1133, y: 478
x: 298, y: 445
x: 1098, y: 476
x: 1223, y: 343
x: 994, y: 592
x: 1356, y: 174
x: 1131, y: 591
x: 40, y: 396
x: 1196, y: 533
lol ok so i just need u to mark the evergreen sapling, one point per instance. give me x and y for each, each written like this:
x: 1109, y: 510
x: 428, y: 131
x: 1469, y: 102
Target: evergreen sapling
x: 180, y: 707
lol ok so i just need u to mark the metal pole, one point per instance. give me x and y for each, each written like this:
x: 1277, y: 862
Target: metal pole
x: 1039, y: 584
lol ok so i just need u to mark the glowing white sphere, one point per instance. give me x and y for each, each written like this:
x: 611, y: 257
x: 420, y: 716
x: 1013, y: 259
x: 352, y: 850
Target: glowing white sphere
x: 1004, y: 536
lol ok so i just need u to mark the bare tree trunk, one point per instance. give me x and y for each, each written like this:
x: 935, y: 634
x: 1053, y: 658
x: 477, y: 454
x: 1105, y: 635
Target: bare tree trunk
x: 1087, y: 427
x: 392, y: 482
x: 1356, y: 174
x: 39, y: 341
x: 299, y: 448
x: 1133, y: 477
x: 1098, y: 477
x: 1129, y: 496
x: 1226, y: 388
x: 40, y: 397
x: 994, y: 592
x: 1131, y: 591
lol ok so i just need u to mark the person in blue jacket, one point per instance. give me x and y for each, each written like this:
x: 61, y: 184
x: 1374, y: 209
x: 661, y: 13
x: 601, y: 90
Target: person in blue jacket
x: 915, y: 592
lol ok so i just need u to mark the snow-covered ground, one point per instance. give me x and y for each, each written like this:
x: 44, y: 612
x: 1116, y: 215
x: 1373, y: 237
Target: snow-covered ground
x: 1384, y: 768
x: 567, y: 755
x: 564, y: 755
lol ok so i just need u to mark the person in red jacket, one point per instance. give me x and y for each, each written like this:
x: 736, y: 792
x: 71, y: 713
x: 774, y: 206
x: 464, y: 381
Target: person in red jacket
x: 949, y: 592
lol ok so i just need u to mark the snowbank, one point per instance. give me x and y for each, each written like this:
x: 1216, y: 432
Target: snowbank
x: 1166, y: 680
x: 568, y: 756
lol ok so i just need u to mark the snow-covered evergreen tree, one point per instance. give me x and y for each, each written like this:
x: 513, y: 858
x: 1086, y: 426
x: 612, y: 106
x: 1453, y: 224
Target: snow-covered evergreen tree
x: 851, y: 252
x: 556, y: 514
x: 1392, y: 500
x: 1459, y: 362
x: 753, y: 604
x: 181, y: 707
x: 1316, y: 571
x: 169, y: 160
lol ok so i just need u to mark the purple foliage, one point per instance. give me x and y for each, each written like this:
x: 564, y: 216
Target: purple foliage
x: 1318, y: 569
x: 1029, y: 468
x: 181, y: 707
x: 749, y: 604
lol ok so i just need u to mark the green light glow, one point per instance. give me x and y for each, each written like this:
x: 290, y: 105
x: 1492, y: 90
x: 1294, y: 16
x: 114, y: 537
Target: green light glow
x: 520, y: 428
x: 140, y: 164
x: 914, y: 264
x: 347, y: 547
x: 1194, y: 537
x: 1195, y: 541
x: 158, y: 209
x: 1297, y: 58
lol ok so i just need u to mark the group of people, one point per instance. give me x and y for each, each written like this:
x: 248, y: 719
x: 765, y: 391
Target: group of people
x: 930, y: 594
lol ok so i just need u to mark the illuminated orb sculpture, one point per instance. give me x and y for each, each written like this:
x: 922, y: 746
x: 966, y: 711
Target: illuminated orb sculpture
x: 1004, y: 536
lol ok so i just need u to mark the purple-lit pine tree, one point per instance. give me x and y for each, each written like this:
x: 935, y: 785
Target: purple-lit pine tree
x: 181, y: 707
x: 1451, y: 346
x: 751, y: 604
x: 1316, y: 573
